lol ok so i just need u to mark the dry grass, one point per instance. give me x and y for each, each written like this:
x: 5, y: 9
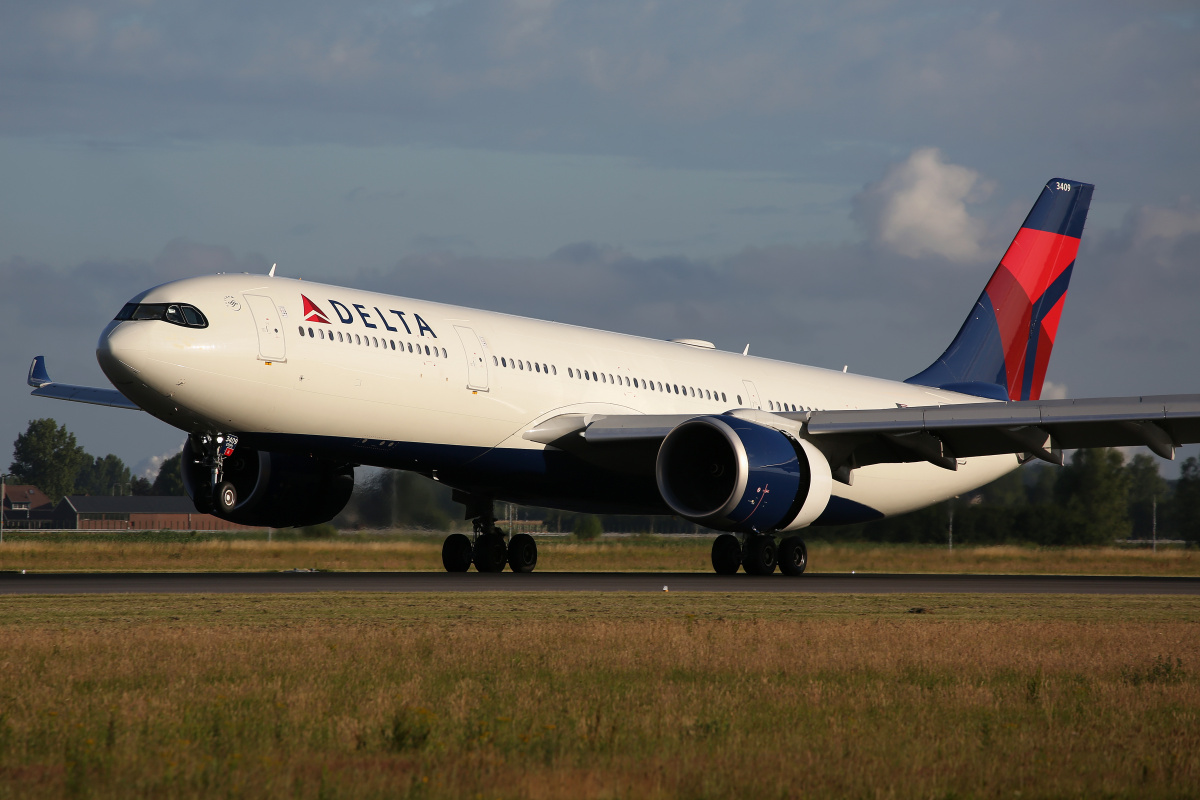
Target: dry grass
x: 599, y: 696
x: 650, y: 553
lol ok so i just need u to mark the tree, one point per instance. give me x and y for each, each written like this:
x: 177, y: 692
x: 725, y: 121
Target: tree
x: 140, y: 487
x: 1187, y: 501
x: 102, y: 476
x: 47, y: 456
x: 1094, y: 489
x: 1147, y: 493
x: 588, y: 527
x: 170, y: 477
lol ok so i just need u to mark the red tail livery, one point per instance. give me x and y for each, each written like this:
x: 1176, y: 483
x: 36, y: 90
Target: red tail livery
x: 1003, y: 348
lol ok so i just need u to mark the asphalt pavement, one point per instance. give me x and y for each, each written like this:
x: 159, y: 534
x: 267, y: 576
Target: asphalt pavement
x: 825, y: 583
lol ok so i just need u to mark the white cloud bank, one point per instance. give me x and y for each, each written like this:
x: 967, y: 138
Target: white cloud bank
x: 919, y: 208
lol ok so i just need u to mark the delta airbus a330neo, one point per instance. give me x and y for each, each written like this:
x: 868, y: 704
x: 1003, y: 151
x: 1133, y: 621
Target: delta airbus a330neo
x: 284, y: 386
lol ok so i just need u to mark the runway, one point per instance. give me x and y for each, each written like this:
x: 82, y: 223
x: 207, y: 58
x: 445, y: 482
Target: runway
x: 13, y: 583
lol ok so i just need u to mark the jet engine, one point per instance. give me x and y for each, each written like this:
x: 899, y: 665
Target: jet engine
x: 735, y: 475
x: 274, y: 490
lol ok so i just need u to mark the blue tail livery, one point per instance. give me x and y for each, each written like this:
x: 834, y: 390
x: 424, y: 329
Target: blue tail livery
x: 1003, y: 348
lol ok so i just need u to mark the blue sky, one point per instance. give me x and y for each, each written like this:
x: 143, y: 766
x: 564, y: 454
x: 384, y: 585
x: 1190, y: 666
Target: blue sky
x: 735, y: 171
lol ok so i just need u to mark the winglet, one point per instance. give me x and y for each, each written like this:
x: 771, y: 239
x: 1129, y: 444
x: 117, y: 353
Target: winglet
x: 38, y: 376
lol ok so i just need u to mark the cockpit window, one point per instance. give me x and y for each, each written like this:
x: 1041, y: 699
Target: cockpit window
x: 175, y: 313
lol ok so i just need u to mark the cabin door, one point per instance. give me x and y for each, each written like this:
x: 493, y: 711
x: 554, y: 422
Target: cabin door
x: 477, y: 371
x: 270, y: 329
x: 752, y: 400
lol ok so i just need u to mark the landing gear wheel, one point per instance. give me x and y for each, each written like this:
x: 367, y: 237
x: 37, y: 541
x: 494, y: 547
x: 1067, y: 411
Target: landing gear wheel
x: 490, y: 552
x: 761, y: 555
x: 726, y: 554
x: 456, y: 553
x: 522, y: 553
x: 793, y: 556
x: 225, y: 497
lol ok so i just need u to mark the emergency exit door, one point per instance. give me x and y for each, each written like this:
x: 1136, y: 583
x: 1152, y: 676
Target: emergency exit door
x: 270, y: 329
x: 477, y: 371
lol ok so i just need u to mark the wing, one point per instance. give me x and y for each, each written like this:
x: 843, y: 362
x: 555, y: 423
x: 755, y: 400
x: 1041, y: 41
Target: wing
x: 938, y: 434
x: 39, y: 378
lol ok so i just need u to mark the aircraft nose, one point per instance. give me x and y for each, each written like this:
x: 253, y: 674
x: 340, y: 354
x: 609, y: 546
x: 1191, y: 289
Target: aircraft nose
x: 121, y: 351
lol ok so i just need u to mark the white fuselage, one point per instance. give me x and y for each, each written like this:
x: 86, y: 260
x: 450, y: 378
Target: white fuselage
x: 429, y: 379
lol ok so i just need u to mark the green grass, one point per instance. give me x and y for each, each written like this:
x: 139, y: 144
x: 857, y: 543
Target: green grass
x: 175, y: 552
x: 599, y: 695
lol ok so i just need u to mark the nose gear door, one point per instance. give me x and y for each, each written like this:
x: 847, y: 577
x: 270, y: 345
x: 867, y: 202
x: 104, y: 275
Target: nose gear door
x: 270, y: 330
x: 477, y: 371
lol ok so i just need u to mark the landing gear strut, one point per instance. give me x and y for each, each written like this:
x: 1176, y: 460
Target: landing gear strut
x: 487, y: 548
x: 211, y: 452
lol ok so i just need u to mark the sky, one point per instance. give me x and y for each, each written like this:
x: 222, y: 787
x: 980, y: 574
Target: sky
x: 831, y: 183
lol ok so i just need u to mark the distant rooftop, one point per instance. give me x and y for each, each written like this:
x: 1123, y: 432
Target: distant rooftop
x: 85, y: 504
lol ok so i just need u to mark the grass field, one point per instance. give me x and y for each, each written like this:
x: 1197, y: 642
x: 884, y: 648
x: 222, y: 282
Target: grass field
x: 599, y: 695
x: 183, y: 552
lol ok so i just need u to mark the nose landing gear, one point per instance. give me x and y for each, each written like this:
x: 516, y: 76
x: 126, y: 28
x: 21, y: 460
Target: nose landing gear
x: 210, y: 452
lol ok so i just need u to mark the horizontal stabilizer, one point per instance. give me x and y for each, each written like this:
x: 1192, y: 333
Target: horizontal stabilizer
x: 39, y: 378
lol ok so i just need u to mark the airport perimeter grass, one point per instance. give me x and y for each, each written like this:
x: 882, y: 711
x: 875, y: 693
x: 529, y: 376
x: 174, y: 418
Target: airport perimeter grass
x: 599, y: 695
x: 170, y: 551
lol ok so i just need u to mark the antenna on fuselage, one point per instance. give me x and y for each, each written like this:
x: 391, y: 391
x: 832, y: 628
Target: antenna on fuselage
x: 746, y: 352
x: 271, y: 274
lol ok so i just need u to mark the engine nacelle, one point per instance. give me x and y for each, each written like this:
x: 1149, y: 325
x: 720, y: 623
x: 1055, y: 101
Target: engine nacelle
x: 735, y: 475
x: 275, y: 490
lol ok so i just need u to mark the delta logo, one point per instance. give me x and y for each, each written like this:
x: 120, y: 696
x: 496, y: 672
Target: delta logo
x: 313, y: 313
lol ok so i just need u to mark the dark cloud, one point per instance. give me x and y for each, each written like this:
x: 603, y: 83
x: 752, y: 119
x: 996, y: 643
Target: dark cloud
x: 817, y: 88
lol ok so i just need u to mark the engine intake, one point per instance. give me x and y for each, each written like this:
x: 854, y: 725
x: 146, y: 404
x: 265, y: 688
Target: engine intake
x: 275, y: 490
x: 735, y: 475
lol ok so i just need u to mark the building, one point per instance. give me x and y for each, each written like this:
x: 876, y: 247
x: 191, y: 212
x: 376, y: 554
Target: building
x: 137, y: 513
x: 26, y: 507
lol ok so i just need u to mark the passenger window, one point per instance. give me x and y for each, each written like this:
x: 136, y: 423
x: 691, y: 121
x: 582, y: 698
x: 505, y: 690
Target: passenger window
x: 587, y: 375
x: 723, y: 397
x: 521, y: 365
x: 504, y: 362
x: 301, y: 330
x: 691, y: 391
x: 310, y: 333
x: 357, y: 340
x: 570, y: 372
x: 739, y: 397
x: 536, y: 368
x: 495, y: 362
x: 554, y: 369
x: 444, y: 353
x: 602, y: 378
x: 544, y: 368
x: 339, y: 333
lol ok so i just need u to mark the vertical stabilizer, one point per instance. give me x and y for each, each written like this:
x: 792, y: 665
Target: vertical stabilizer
x: 1003, y: 348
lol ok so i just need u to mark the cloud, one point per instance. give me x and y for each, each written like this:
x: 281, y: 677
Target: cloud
x: 919, y: 208
x: 148, y: 467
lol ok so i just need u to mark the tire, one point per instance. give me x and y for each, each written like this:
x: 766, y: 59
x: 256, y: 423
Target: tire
x: 793, y: 556
x: 225, y: 497
x: 456, y: 553
x: 490, y: 553
x: 726, y: 554
x: 522, y: 553
x: 761, y: 555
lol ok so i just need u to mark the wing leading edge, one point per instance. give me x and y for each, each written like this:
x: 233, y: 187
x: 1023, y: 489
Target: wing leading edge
x: 39, y: 378
x: 938, y: 434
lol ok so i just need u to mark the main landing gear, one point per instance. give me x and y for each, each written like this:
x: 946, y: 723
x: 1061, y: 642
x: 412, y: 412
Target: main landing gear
x: 210, y: 452
x: 486, y: 548
x: 759, y: 554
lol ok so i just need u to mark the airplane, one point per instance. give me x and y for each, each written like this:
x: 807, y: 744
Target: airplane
x: 283, y: 386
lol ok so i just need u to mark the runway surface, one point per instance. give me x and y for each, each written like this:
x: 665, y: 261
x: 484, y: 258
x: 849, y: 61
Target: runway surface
x: 256, y: 582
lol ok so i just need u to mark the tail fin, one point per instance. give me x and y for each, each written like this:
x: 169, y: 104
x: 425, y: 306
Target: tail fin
x: 1003, y: 348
